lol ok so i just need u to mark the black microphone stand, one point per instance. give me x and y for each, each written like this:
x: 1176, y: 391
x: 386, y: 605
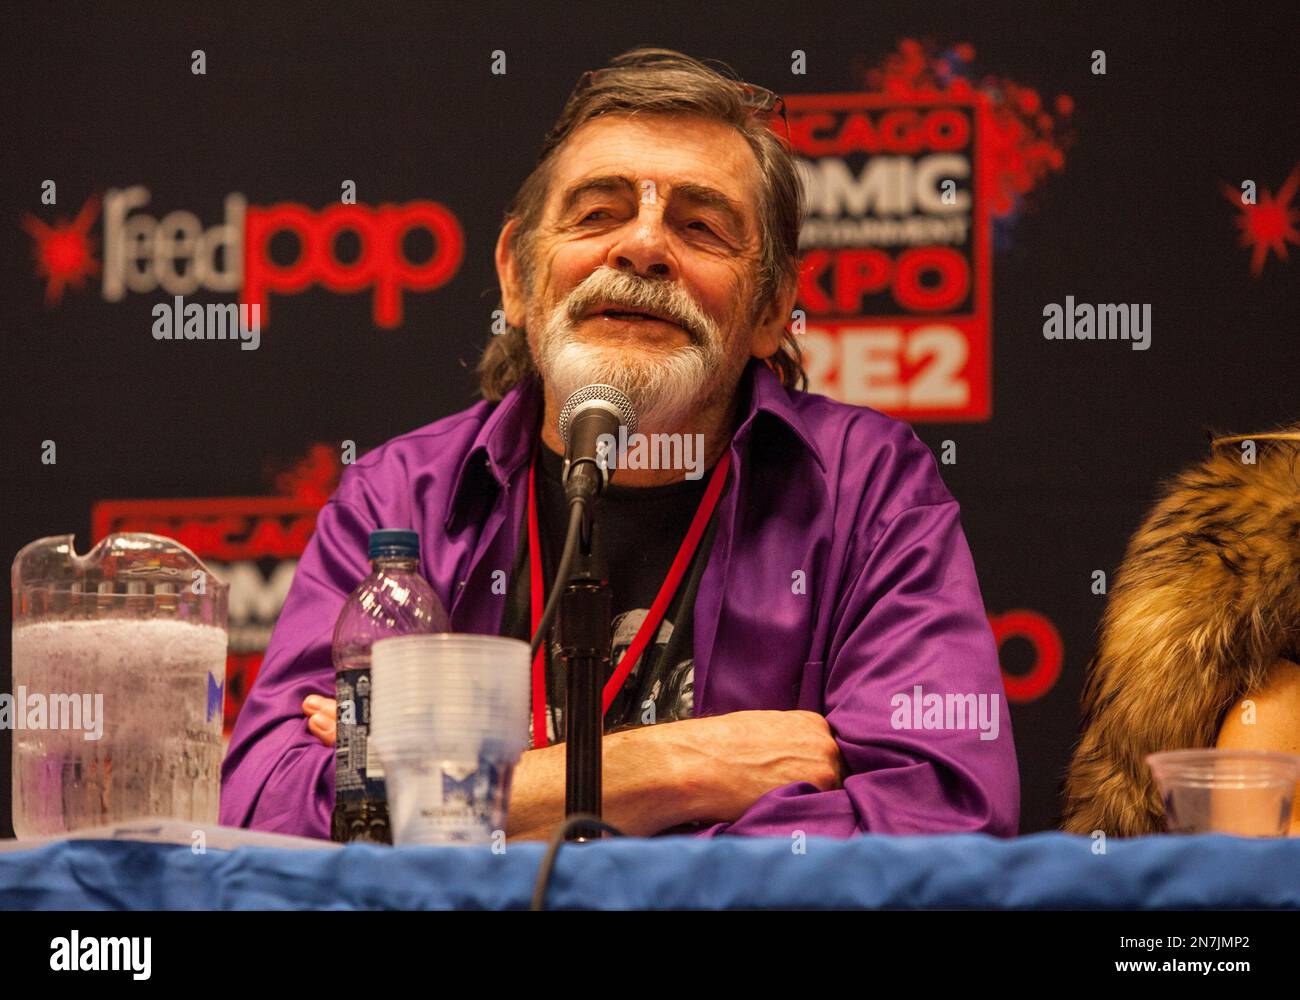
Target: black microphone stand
x: 584, y: 635
x: 582, y: 598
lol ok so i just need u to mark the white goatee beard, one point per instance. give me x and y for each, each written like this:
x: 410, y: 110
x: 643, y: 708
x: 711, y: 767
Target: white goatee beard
x: 664, y: 388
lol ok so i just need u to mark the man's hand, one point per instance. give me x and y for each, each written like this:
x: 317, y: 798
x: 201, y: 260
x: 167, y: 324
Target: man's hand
x: 741, y: 756
x: 322, y: 717
x: 709, y: 769
x: 706, y: 770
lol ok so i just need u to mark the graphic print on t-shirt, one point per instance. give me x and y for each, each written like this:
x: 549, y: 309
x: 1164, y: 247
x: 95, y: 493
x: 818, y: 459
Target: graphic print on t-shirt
x: 667, y: 696
x: 640, y: 531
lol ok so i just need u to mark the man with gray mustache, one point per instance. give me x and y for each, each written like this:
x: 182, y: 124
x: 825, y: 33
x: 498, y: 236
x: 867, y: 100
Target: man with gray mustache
x: 766, y: 615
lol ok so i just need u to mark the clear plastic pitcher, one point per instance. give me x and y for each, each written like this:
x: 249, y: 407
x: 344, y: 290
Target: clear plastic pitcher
x: 119, y: 667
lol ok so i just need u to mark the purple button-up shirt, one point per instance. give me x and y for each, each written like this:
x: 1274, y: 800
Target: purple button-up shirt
x: 839, y: 581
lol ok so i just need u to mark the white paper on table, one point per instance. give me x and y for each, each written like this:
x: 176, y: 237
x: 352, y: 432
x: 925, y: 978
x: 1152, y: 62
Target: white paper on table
x: 160, y: 830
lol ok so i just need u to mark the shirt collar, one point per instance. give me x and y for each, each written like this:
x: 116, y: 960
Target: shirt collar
x: 505, y: 441
x: 768, y: 395
x: 502, y: 445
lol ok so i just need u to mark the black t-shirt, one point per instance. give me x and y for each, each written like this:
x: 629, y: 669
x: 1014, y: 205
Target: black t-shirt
x: 639, y: 531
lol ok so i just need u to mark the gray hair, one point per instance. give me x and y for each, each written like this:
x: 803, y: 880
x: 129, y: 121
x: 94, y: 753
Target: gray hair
x: 651, y: 80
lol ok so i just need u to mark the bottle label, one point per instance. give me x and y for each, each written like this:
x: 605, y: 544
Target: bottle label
x: 358, y: 777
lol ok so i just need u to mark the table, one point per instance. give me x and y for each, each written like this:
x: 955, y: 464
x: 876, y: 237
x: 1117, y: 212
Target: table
x: 1040, y: 871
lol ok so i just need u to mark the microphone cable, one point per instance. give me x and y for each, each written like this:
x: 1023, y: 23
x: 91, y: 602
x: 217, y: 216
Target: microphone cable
x: 547, y: 868
x: 571, y: 539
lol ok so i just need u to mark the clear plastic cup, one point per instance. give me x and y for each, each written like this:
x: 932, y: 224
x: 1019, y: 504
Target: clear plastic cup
x: 456, y: 650
x: 478, y: 722
x: 418, y: 703
x: 441, y: 799
x: 441, y: 731
x: 420, y: 729
x: 506, y: 751
x: 449, y: 720
x: 1248, y: 793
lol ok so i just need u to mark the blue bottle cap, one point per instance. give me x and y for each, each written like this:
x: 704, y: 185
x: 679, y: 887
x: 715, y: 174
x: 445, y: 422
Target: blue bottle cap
x: 390, y: 542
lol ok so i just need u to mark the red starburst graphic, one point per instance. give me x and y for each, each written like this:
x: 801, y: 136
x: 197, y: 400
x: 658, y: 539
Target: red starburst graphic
x: 1027, y: 136
x: 312, y: 479
x: 1269, y: 224
x: 65, y: 251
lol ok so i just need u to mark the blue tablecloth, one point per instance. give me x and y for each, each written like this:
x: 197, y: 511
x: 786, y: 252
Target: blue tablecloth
x: 1048, y: 871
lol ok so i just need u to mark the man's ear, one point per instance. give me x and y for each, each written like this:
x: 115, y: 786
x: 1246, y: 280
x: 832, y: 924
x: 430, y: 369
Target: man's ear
x: 508, y: 274
x: 769, y: 331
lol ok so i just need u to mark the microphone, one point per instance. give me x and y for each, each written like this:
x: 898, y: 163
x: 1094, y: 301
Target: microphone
x: 590, y: 414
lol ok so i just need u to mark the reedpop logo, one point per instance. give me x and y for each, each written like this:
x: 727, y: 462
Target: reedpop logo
x: 176, y: 254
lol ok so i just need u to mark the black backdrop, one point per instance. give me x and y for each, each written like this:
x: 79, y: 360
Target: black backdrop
x: 402, y: 101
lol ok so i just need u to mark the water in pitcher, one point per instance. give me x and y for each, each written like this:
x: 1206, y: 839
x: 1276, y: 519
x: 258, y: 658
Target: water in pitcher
x: 158, y: 750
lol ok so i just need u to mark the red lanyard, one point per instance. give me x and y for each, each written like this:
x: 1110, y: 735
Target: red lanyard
x: 657, y: 610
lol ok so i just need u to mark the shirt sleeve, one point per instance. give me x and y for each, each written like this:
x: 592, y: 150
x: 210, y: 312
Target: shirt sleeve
x: 913, y: 627
x: 277, y: 776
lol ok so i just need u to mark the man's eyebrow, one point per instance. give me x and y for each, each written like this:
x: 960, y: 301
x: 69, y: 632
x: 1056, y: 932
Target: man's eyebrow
x: 608, y: 183
x: 700, y: 194
x: 712, y: 198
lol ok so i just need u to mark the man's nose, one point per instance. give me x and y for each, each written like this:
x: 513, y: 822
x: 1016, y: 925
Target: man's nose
x: 642, y: 247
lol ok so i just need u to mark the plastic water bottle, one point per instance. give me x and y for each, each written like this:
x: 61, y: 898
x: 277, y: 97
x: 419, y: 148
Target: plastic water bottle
x: 393, y: 600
